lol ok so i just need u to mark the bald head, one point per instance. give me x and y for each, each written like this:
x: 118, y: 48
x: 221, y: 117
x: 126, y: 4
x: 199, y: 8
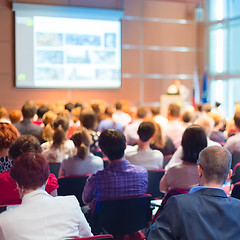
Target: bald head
x: 215, y: 163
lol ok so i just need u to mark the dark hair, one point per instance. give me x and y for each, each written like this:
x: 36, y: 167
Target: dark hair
x: 118, y: 106
x: 61, y: 121
x: 187, y: 116
x: 108, y: 111
x: 77, y: 104
x: 59, y: 136
x: 88, y: 119
x: 155, y: 110
x: 174, y: 110
x: 8, y: 134
x: 215, y: 162
x: 69, y: 106
x: 146, y: 130
x: 237, y: 119
x: 30, y: 170
x: 141, y: 112
x: 81, y: 139
x: 29, y: 110
x: 113, y: 143
x: 23, y: 144
x: 194, y: 140
x: 41, y: 110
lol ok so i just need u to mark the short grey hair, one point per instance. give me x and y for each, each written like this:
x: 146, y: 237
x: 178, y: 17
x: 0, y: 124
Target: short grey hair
x: 215, y: 162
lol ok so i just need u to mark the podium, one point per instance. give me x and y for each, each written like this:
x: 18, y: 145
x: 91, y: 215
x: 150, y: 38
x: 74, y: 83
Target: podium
x: 165, y: 100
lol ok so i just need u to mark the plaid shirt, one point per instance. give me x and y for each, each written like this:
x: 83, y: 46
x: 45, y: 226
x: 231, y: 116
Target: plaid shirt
x: 118, y: 179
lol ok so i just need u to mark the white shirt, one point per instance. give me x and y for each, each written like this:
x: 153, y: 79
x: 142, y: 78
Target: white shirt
x: 41, y: 216
x: 123, y: 118
x: 130, y: 132
x: 149, y: 159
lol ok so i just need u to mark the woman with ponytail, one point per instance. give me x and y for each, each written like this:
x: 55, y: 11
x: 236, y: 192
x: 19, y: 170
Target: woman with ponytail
x: 83, y: 162
x: 59, y: 147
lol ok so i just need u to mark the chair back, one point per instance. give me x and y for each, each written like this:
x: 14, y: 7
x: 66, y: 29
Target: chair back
x: 72, y: 185
x: 54, y: 168
x: 99, y: 237
x: 236, y: 174
x: 236, y: 190
x: 122, y: 216
x: 235, y: 159
x: 154, y: 177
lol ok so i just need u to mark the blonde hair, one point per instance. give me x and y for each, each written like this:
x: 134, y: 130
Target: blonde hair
x: 47, y: 133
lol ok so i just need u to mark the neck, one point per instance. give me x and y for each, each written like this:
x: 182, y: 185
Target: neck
x: 4, y: 152
x: 171, y: 118
x: 144, y: 145
x: 116, y: 160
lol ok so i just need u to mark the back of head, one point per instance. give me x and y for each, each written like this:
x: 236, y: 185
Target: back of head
x: 15, y: 116
x: 76, y: 114
x: 69, y: 106
x: 187, y: 116
x: 237, y: 119
x: 61, y: 121
x: 23, y: 144
x: 194, y: 140
x: 30, y: 170
x: 155, y: 111
x: 206, y: 123
x: 42, y: 110
x: 8, y: 134
x: 216, y: 118
x: 146, y: 130
x: 88, y: 119
x: 108, y: 111
x: 113, y: 143
x: 3, y: 112
x: 206, y: 107
x: 81, y: 140
x: 141, y: 112
x: 215, y: 162
x: 118, y: 106
x: 174, y: 110
x: 29, y: 110
x: 49, y: 117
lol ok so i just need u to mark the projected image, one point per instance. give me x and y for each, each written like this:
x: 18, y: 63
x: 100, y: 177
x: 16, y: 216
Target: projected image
x: 83, y: 40
x: 79, y: 56
x: 49, y: 39
x: 107, y: 74
x: 78, y: 74
x: 105, y: 57
x: 53, y: 74
x: 49, y: 57
x: 110, y: 40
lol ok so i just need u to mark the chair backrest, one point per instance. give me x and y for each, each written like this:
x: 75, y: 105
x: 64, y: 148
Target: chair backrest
x: 236, y: 174
x: 154, y: 177
x: 235, y: 159
x: 99, y: 237
x: 166, y: 159
x: 54, y: 168
x: 236, y: 190
x: 122, y: 216
x: 73, y: 185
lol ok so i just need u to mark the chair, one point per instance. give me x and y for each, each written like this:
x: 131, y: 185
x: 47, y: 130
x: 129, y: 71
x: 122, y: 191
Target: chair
x: 54, y: 168
x: 236, y: 190
x: 72, y: 185
x: 99, y: 237
x: 236, y: 174
x: 166, y: 159
x: 3, y: 208
x: 121, y: 216
x: 154, y: 177
x: 235, y: 159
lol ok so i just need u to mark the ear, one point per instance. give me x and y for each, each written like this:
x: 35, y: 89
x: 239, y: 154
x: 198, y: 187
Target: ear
x: 229, y: 174
x: 200, y: 171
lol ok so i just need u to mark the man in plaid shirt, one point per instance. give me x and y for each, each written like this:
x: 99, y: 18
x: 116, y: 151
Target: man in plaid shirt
x: 120, y: 178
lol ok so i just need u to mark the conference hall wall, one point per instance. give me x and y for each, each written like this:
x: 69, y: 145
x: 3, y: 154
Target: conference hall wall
x: 160, y: 41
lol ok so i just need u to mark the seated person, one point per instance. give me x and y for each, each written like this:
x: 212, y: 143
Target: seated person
x: 184, y: 175
x: 206, y: 212
x: 83, y: 162
x: 40, y: 216
x: 142, y: 154
x: 9, y: 192
x: 120, y: 178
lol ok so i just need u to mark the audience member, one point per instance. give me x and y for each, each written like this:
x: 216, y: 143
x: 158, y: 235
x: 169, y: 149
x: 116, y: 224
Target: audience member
x: 83, y: 162
x: 15, y: 116
x: 184, y: 175
x: 9, y: 193
x: 142, y: 154
x: 26, y: 126
x: 8, y: 134
x: 40, y: 215
x: 108, y: 122
x: 174, y: 128
x: 40, y: 112
x: 206, y: 108
x: 119, y: 178
x: 60, y: 147
x: 162, y: 121
x: 130, y: 130
x: 120, y: 116
x: 187, y: 116
x: 206, y: 212
x: 4, y: 115
x: 233, y: 142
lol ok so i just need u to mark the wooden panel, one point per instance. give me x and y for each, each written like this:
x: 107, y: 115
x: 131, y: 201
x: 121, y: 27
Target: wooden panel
x: 6, y: 26
x: 132, y: 7
x: 130, y: 32
x: 170, y: 34
x: 163, y: 62
x: 6, y: 59
x: 130, y: 61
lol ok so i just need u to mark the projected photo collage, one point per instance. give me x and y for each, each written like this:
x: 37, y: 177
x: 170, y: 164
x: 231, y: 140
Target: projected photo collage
x: 75, y: 57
